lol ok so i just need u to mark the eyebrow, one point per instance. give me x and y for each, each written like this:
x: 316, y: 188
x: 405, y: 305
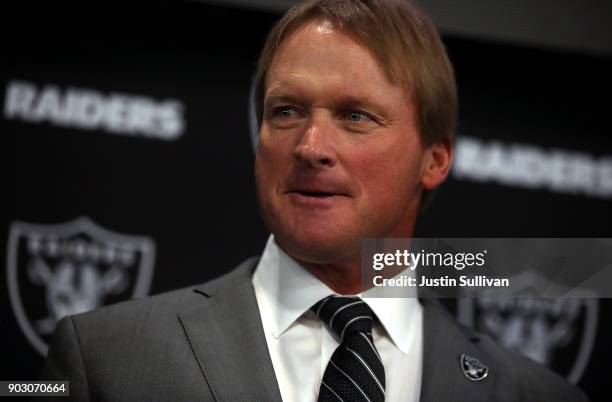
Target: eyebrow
x: 340, y: 101
x: 283, y: 98
x: 359, y: 102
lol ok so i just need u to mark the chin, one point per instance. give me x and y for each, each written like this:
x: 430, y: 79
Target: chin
x: 319, y: 246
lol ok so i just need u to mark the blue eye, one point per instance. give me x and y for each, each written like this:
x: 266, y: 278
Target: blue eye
x: 356, y: 116
x: 285, y: 111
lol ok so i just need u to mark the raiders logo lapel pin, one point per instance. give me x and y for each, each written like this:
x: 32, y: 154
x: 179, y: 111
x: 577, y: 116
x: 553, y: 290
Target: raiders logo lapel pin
x: 472, y: 368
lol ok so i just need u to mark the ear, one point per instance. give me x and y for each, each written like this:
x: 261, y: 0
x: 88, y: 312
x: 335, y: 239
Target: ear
x: 437, y: 163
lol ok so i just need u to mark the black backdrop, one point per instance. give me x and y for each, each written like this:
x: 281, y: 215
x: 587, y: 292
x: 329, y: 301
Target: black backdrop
x: 192, y: 196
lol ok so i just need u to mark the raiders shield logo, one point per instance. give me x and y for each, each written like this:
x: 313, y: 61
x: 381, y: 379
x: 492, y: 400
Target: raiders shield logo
x: 558, y: 333
x: 70, y: 268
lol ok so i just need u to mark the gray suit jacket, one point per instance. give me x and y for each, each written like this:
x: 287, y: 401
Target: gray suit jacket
x: 207, y: 344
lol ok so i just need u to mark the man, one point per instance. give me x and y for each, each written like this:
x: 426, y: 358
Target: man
x: 356, y: 103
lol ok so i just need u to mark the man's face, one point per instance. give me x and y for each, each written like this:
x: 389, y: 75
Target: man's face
x: 339, y: 155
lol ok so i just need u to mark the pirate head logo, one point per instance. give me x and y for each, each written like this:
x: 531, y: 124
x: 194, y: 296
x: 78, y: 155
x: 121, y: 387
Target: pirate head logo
x: 70, y: 268
x: 558, y: 333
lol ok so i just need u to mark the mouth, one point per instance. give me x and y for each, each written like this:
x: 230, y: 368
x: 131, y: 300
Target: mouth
x: 315, y: 198
x: 315, y: 194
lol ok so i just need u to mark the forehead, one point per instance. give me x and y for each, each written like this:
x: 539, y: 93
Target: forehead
x: 318, y: 54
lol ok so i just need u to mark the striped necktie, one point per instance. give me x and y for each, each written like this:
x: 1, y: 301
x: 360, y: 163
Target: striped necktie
x: 355, y: 371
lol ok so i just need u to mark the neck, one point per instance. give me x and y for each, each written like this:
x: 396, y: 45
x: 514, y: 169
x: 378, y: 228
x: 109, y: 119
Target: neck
x: 343, y: 278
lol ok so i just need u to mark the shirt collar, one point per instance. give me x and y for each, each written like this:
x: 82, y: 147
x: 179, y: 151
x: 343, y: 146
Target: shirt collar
x: 287, y: 291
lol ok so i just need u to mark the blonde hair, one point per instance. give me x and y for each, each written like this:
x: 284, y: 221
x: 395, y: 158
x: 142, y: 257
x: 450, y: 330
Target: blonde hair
x: 406, y: 44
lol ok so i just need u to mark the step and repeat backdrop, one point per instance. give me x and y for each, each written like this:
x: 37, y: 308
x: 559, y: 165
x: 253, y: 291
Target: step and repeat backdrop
x: 128, y: 170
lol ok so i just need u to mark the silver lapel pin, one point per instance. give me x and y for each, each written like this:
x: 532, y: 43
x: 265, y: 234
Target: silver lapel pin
x: 473, y: 369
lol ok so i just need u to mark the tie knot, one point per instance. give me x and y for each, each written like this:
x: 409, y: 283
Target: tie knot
x: 345, y: 314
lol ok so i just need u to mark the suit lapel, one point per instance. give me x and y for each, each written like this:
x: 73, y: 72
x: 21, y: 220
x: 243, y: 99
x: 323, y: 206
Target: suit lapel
x: 227, y: 338
x: 444, y: 343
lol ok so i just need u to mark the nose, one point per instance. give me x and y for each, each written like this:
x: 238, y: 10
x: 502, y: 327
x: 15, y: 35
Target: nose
x: 314, y: 148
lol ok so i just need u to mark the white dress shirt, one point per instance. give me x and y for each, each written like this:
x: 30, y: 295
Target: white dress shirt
x: 300, y: 345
